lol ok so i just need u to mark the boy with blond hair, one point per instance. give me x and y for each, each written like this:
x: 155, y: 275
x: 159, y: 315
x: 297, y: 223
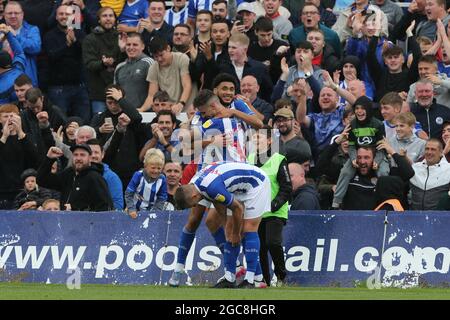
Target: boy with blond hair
x: 404, y: 140
x: 147, y: 189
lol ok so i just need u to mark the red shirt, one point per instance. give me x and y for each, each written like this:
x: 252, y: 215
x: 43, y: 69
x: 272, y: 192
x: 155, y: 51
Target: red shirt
x: 189, y: 171
x: 317, y: 61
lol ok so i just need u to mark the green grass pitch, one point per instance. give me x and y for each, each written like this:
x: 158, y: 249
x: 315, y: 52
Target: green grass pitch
x: 24, y: 291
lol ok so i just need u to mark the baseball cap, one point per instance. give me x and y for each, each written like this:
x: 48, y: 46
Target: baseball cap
x: 285, y: 113
x: 5, y: 60
x: 246, y: 6
x: 81, y: 146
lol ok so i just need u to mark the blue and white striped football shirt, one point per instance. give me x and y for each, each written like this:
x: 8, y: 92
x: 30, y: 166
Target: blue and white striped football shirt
x: 173, y: 18
x: 195, y: 6
x: 222, y: 181
x: 232, y: 152
x: 147, y: 193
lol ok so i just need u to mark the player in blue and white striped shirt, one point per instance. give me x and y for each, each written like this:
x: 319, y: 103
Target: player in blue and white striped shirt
x: 147, y: 189
x: 177, y: 14
x: 245, y: 190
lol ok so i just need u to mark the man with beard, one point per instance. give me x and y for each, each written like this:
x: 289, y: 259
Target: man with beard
x: 101, y: 55
x: 162, y: 135
x: 82, y: 185
x: 361, y: 190
x: 293, y: 147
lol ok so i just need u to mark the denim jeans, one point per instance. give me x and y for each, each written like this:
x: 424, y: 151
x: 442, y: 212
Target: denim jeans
x: 72, y: 99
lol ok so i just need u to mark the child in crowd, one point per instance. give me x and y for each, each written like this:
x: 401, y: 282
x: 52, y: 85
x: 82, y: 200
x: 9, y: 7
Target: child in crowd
x: 50, y: 205
x: 32, y: 195
x: 147, y: 189
x: 367, y: 131
x: 405, y: 140
x: 390, y: 107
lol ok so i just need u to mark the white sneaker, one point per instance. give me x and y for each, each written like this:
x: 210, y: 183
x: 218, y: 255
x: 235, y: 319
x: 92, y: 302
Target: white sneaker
x: 174, y: 280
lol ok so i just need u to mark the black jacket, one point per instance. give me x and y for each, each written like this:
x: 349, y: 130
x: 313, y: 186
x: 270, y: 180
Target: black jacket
x: 330, y: 162
x: 254, y: 68
x: 208, y: 68
x: 61, y: 57
x: 361, y: 190
x: 39, y: 195
x: 384, y: 80
x: 97, y: 44
x: 16, y: 156
x: 330, y: 60
x: 99, y: 119
x: 431, y: 118
x: 165, y: 32
x: 38, y: 135
x: 86, y: 191
x: 305, y: 198
x: 122, y: 152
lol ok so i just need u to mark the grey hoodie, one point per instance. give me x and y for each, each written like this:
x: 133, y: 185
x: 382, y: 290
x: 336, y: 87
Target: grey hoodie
x: 414, y: 146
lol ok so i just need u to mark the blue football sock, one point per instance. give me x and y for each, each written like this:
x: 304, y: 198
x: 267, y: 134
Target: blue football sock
x: 230, y: 255
x: 219, y: 237
x: 185, y: 244
x: 251, y: 252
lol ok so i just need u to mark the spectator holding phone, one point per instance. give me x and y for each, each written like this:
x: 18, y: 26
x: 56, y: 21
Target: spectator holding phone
x: 245, y: 19
x: 106, y: 122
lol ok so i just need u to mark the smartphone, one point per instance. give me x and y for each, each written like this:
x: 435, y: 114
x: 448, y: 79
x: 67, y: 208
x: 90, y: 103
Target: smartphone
x: 108, y: 121
x: 240, y: 19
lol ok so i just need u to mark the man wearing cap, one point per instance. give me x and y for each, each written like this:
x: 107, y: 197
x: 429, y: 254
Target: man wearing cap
x: 10, y: 68
x: 293, y: 147
x: 17, y: 153
x: 82, y: 185
x: 247, y: 13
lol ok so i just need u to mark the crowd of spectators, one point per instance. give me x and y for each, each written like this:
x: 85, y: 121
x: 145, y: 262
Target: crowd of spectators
x: 356, y: 100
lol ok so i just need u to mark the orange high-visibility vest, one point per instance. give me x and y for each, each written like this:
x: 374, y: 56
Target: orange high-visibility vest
x: 394, y: 203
